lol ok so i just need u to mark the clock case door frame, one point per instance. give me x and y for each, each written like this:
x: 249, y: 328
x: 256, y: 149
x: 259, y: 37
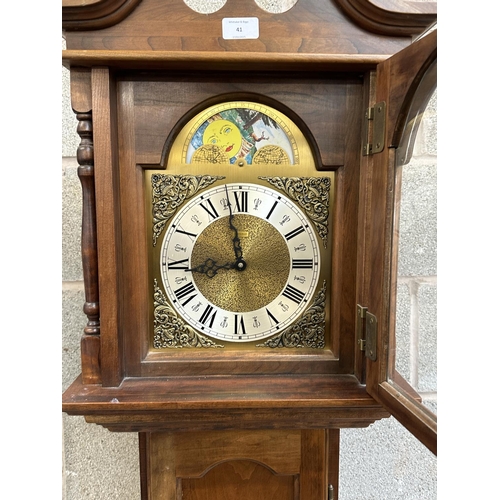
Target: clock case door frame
x: 337, y: 357
x: 405, y: 82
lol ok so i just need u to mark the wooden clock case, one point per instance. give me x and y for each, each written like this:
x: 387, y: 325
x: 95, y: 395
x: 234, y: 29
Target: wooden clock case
x: 139, y: 70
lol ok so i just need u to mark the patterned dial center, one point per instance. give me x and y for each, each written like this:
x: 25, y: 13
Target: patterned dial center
x: 265, y: 253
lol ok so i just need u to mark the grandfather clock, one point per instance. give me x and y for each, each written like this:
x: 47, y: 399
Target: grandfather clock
x: 239, y: 234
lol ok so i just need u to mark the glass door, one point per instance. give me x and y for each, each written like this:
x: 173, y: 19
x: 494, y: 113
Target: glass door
x: 399, y: 258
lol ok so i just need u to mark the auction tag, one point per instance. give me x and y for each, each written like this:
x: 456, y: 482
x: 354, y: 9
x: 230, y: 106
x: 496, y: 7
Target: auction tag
x: 241, y: 28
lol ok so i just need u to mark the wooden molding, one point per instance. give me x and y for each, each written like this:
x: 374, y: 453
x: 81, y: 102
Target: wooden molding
x: 233, y: 61
x: 390, y: 17
x: 95, y: 14
x: 243, y: 402
x: 386, y: 17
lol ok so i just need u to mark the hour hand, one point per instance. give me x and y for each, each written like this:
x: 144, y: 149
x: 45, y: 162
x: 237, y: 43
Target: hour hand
x: 210, y: 267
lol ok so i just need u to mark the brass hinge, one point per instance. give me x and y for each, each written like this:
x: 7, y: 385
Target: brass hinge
x: 366, y: 332
x: 374, y: 135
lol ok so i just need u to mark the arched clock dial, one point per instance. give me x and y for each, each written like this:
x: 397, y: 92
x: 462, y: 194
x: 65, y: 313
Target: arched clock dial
x: 240, y: 262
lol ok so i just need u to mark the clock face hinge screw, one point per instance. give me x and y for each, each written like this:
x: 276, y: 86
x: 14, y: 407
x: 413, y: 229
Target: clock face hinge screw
x: 366, y: 332
x: 374, y: 129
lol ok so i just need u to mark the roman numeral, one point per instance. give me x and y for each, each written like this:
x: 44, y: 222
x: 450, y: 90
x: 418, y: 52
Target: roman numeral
x: 293, y: 294
x: 178, y: 264
x: 302, y: 263
x: 185, y: 290
x: 211, y: 211
x: 271, y: 317
x: 208, y: 316
x: 241, y: 199
x: 294, y: 233
x: 272, y: 210
x: 239, y: 325
x: 191, y: 235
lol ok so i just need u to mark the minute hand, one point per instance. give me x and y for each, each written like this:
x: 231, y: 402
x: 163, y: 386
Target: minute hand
x: 238, y: 252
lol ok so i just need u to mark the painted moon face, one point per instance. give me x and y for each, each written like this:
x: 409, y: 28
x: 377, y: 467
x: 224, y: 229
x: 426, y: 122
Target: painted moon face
x: 225, y: 135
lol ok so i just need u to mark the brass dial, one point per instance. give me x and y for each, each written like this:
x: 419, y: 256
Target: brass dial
x: 265, y: 253
x: 235, y: 222
x: 240, y: 262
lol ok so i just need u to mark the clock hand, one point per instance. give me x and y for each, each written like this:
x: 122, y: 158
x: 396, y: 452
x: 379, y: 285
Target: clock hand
x: 210, y: 267
x: 240, y: 264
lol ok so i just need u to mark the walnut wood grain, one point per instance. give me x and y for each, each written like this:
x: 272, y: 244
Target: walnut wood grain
x: 387, y: 17
x: 418, y: 419
x: 334, y: 460
x: 314, y: 464
x: 90, y: 344
x: 230, y: 402
x: 365, y: 186
x: 268, y: 464
x: 221, y: 61
x: 310, y: 27
x: 95, y: 14
x: 85, y: 158
x: 330, y: 110
x: 108, y: 222
x: 397, y: 81
x: 139, y: 67
x: 390, y: 17
x: 242, y: 479
x: 197, y: 452
x: 244, y: 465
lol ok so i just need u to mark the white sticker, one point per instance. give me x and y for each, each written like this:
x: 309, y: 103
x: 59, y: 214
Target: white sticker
x: 240, y: 28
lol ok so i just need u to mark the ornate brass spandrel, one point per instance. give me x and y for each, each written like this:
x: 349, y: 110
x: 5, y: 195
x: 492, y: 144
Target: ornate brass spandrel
x: 309, y: 331
x: 170, y: 331
x: 169, y: 192
x: 312, y: 194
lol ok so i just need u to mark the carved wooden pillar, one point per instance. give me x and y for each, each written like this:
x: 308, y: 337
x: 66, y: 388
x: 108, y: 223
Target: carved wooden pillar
x: 90, y: 342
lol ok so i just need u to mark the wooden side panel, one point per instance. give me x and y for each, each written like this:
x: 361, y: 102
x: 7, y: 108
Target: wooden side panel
x: 333, y: 460
x: 346, y: 237
x: 134, y: 252
x: 108, y: 228
x: 313, y: 467
x: 365, y: 183
x: 321, y: 102
x: 241, y: 479
x: 247, y: 465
